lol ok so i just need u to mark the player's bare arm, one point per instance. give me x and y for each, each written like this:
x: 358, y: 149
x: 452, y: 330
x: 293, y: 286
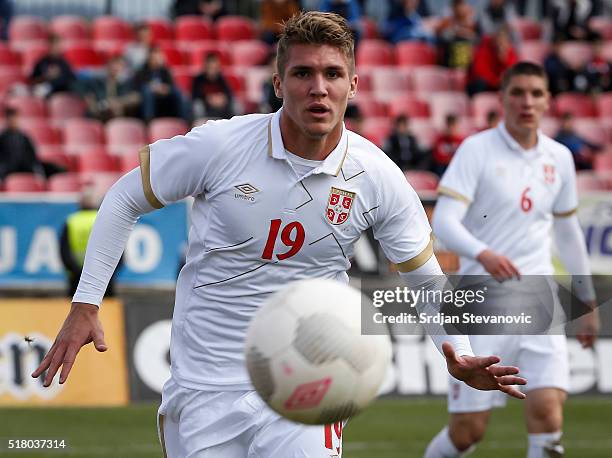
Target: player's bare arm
x: 588, y: 327
x: 81, y: 327
x: 499, y: 266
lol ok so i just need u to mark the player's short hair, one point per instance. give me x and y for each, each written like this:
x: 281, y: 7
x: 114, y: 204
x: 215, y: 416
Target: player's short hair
x: 315, y: 27
x: 523, y: 68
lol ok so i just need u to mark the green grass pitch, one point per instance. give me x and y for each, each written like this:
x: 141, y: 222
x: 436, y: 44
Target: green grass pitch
x: 390, y: 428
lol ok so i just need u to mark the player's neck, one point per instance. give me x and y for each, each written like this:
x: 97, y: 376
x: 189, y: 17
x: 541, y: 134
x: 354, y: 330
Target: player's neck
x: 314, y: 148
x: 527, y: 139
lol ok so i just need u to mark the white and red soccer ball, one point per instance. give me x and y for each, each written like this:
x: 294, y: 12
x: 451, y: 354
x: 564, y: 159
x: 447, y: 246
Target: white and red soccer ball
x: 307, y: 357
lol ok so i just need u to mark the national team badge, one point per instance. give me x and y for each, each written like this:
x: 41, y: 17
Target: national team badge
x: 339, y: 205
x: 549, y: 173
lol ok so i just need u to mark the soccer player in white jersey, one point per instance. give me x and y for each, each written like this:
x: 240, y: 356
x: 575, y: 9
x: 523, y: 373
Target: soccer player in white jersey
x: 278, y: 197
x: 504, y: 191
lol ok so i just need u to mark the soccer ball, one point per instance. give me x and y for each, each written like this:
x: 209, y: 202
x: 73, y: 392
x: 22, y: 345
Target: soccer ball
x: 306, y: 355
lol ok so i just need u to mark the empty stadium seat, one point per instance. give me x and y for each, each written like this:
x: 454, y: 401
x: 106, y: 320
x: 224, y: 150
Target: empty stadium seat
x: 9, y: 57
x: 369, y: 28
x: 83, y: 56
x: 424, y: 130
x: 443, y: 103
x: 125, y: 135
x: 128, y: 162
x: 234, y: 28
x: 174, y: 56
x: 257, y: 76
x: 377, y: 130
x: 9, y: 78
x: 604, y: 105
x: 100, y: 182
x: 422, y: 180
x: 31, y: 52
x: 388, y: 83
x: 603, y: 162
x: 183, y: 78
x: 415, y: 53
x: 603, y: 26
x: 111, y: 28
x: 166, y: 128
x: 70, y: 27
x: 41, y: 131
x: 580, y: 105
x: 199, y: 51
x: 26, y: 28
x: 374, y: 53
x: 576, y: 53
x: 431, y: 79
x: 409, y: 104
x: 365, y: 79
x: 57, y: 156
x: 249, y: 53
x: 192, y: 29
x: 592, y: 130
x: 550, y: 126
x: 534, y: 51
x: 64, y: 182
x: 24, y: 182
x: 65, y: 106
x: 28, y: 105
x: 482, y: 104
x: 235, y: 80
x: 369, y: 107
x: 81, y: 134
x: 97, y: 160
x: 589, y: 181
x: 161, y: 29
x: 527, y: 28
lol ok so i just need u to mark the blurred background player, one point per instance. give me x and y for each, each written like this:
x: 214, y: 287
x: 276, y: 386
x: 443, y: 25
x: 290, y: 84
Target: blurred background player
x: 523, y: 183
x: 289, y: 162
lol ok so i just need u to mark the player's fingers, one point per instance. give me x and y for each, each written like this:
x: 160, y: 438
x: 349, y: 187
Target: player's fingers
x: 98, y: 340
x: 511, y: 380
x: 68, y: 361
x: 499, y: 371
x: 449, y: 351
x: 486, y: 361
x: 510, y: 391
x: 56, y: 362
x: 44, y: 364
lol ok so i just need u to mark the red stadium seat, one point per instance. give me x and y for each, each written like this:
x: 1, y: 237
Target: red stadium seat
x: 41, y: 131
x: 369, y: 107
x: 377, y: 130
x: 83, y: 56
x: 374, y: 53
x: 100, y: 182
x: 24, y: 182
x: 199, y: 51
x: 65, y: 106
x: 161, y: 29
x: 27, y: 28
x: 125, y: 135
x: 183, y: 77
x: 576, y: 53
x: 528, y: 29
x: 365, y: 79
x: 415, y: 53
x: 31, y: 52
x: 603, y: 26
x: 592, y: 130
x: 97, y: 160
x: 234, y: 28
x: 82, y: 134
x: 56, y: 156
x: 589, y: 181
x: 388, y: 83
x: 482, y: 104
x: 249, y: 53
x: 111, y: 28
x: 166, y: 128
x: 603, y: 162
x: 422, y: 180
x: 70, y: 27
x: 370, y: 29
x: 175, y: 57
x: 9, y: 57
x: 9, y: 78
x: 443, y: 103
x: 424, y: 131
x: 64, y: 182
x: 254, y: 79
x: 550, y: 126
x: 235, y: 81
x: 431, y: 79
x: 128, y: 162
x: 192, y: 29
x: 410, y: 105
x: 604, y: 105
x: 534, y: 51
x: 580, y: 105
x: 28, y: 105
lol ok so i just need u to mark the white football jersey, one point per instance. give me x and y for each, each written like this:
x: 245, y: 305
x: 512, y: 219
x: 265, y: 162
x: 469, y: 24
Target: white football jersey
x: 256, y: 225
x: 513, y: 195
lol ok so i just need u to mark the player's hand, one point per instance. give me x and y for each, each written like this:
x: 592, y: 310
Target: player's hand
x: 482, y: 373
x: 81, y: 326
x: 500, y: 267
x: 588, y: 328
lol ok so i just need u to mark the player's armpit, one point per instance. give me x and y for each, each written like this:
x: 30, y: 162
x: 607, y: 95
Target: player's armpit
x: 145, y: 171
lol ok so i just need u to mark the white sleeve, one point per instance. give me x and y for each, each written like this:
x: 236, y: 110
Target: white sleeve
x: 460, y: 180
x: 572, y: 251
x: 123, y: 204
x: 448, y: 227
x: 566, y: 202
x: 430, y: 276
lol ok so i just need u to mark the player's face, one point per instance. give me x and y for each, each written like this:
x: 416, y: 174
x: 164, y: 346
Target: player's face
x: 315, y: 87
x: 525, y: 100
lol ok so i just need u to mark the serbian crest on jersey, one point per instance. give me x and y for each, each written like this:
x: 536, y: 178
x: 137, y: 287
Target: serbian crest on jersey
x: 339, y: 205
x: 549, y: 173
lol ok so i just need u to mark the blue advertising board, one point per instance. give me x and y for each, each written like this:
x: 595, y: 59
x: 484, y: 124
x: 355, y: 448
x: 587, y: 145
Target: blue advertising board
x: 29, y: 244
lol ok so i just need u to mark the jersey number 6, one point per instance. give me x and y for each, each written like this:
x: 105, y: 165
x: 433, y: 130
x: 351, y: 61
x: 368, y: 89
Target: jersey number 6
x: 526, y: 202
x: 292, y: 235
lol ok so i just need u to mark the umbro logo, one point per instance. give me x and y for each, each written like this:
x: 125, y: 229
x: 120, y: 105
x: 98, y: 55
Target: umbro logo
x: 245, y: 192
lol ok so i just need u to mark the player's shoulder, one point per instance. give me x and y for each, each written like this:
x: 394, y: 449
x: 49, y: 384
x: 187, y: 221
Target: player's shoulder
x: 242, y: 125
x: 474, y: 147
x: 560, y: 152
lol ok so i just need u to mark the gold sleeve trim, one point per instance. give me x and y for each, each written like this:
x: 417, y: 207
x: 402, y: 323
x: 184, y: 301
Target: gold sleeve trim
x: 270, y: 138
x: 145, y: 171
x: 418, y: 260
x: 343, y: 158
x: 162, y: 439
x: 565, y: 214
x: 454, y: 194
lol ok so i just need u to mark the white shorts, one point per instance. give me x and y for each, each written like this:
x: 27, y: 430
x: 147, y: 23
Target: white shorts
x: 236, y: 424
x: 542, y: 359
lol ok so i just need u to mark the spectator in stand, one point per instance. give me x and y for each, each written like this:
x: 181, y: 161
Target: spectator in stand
x: 493, y: 56
x: 136, y: 52
x: 406, y: 24
x: 492, y: 119
x: 582, y: 150
x: 446, y: 144
x: 159, y: 94
x: 112, y: 95
x: 211, y: 95
x: 560, y: 75
x: 457, y: 35
x: 52, y: 73
x: 349, y: 10
x: 17, y: 153
x: 272, y: 14
x: 269, y: 101
x: 570, y: 20
x: 596, y: 72
x: 497, y: 14
x: 210, y: 9
x: 403, y: 147
x: 6, y: 15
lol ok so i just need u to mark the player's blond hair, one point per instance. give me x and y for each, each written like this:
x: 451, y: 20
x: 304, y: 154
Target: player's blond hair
x: 317, y: 28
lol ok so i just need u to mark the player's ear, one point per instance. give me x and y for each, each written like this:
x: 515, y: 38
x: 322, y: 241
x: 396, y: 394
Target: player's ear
x: 353, y: 89
x: 276, y: 82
